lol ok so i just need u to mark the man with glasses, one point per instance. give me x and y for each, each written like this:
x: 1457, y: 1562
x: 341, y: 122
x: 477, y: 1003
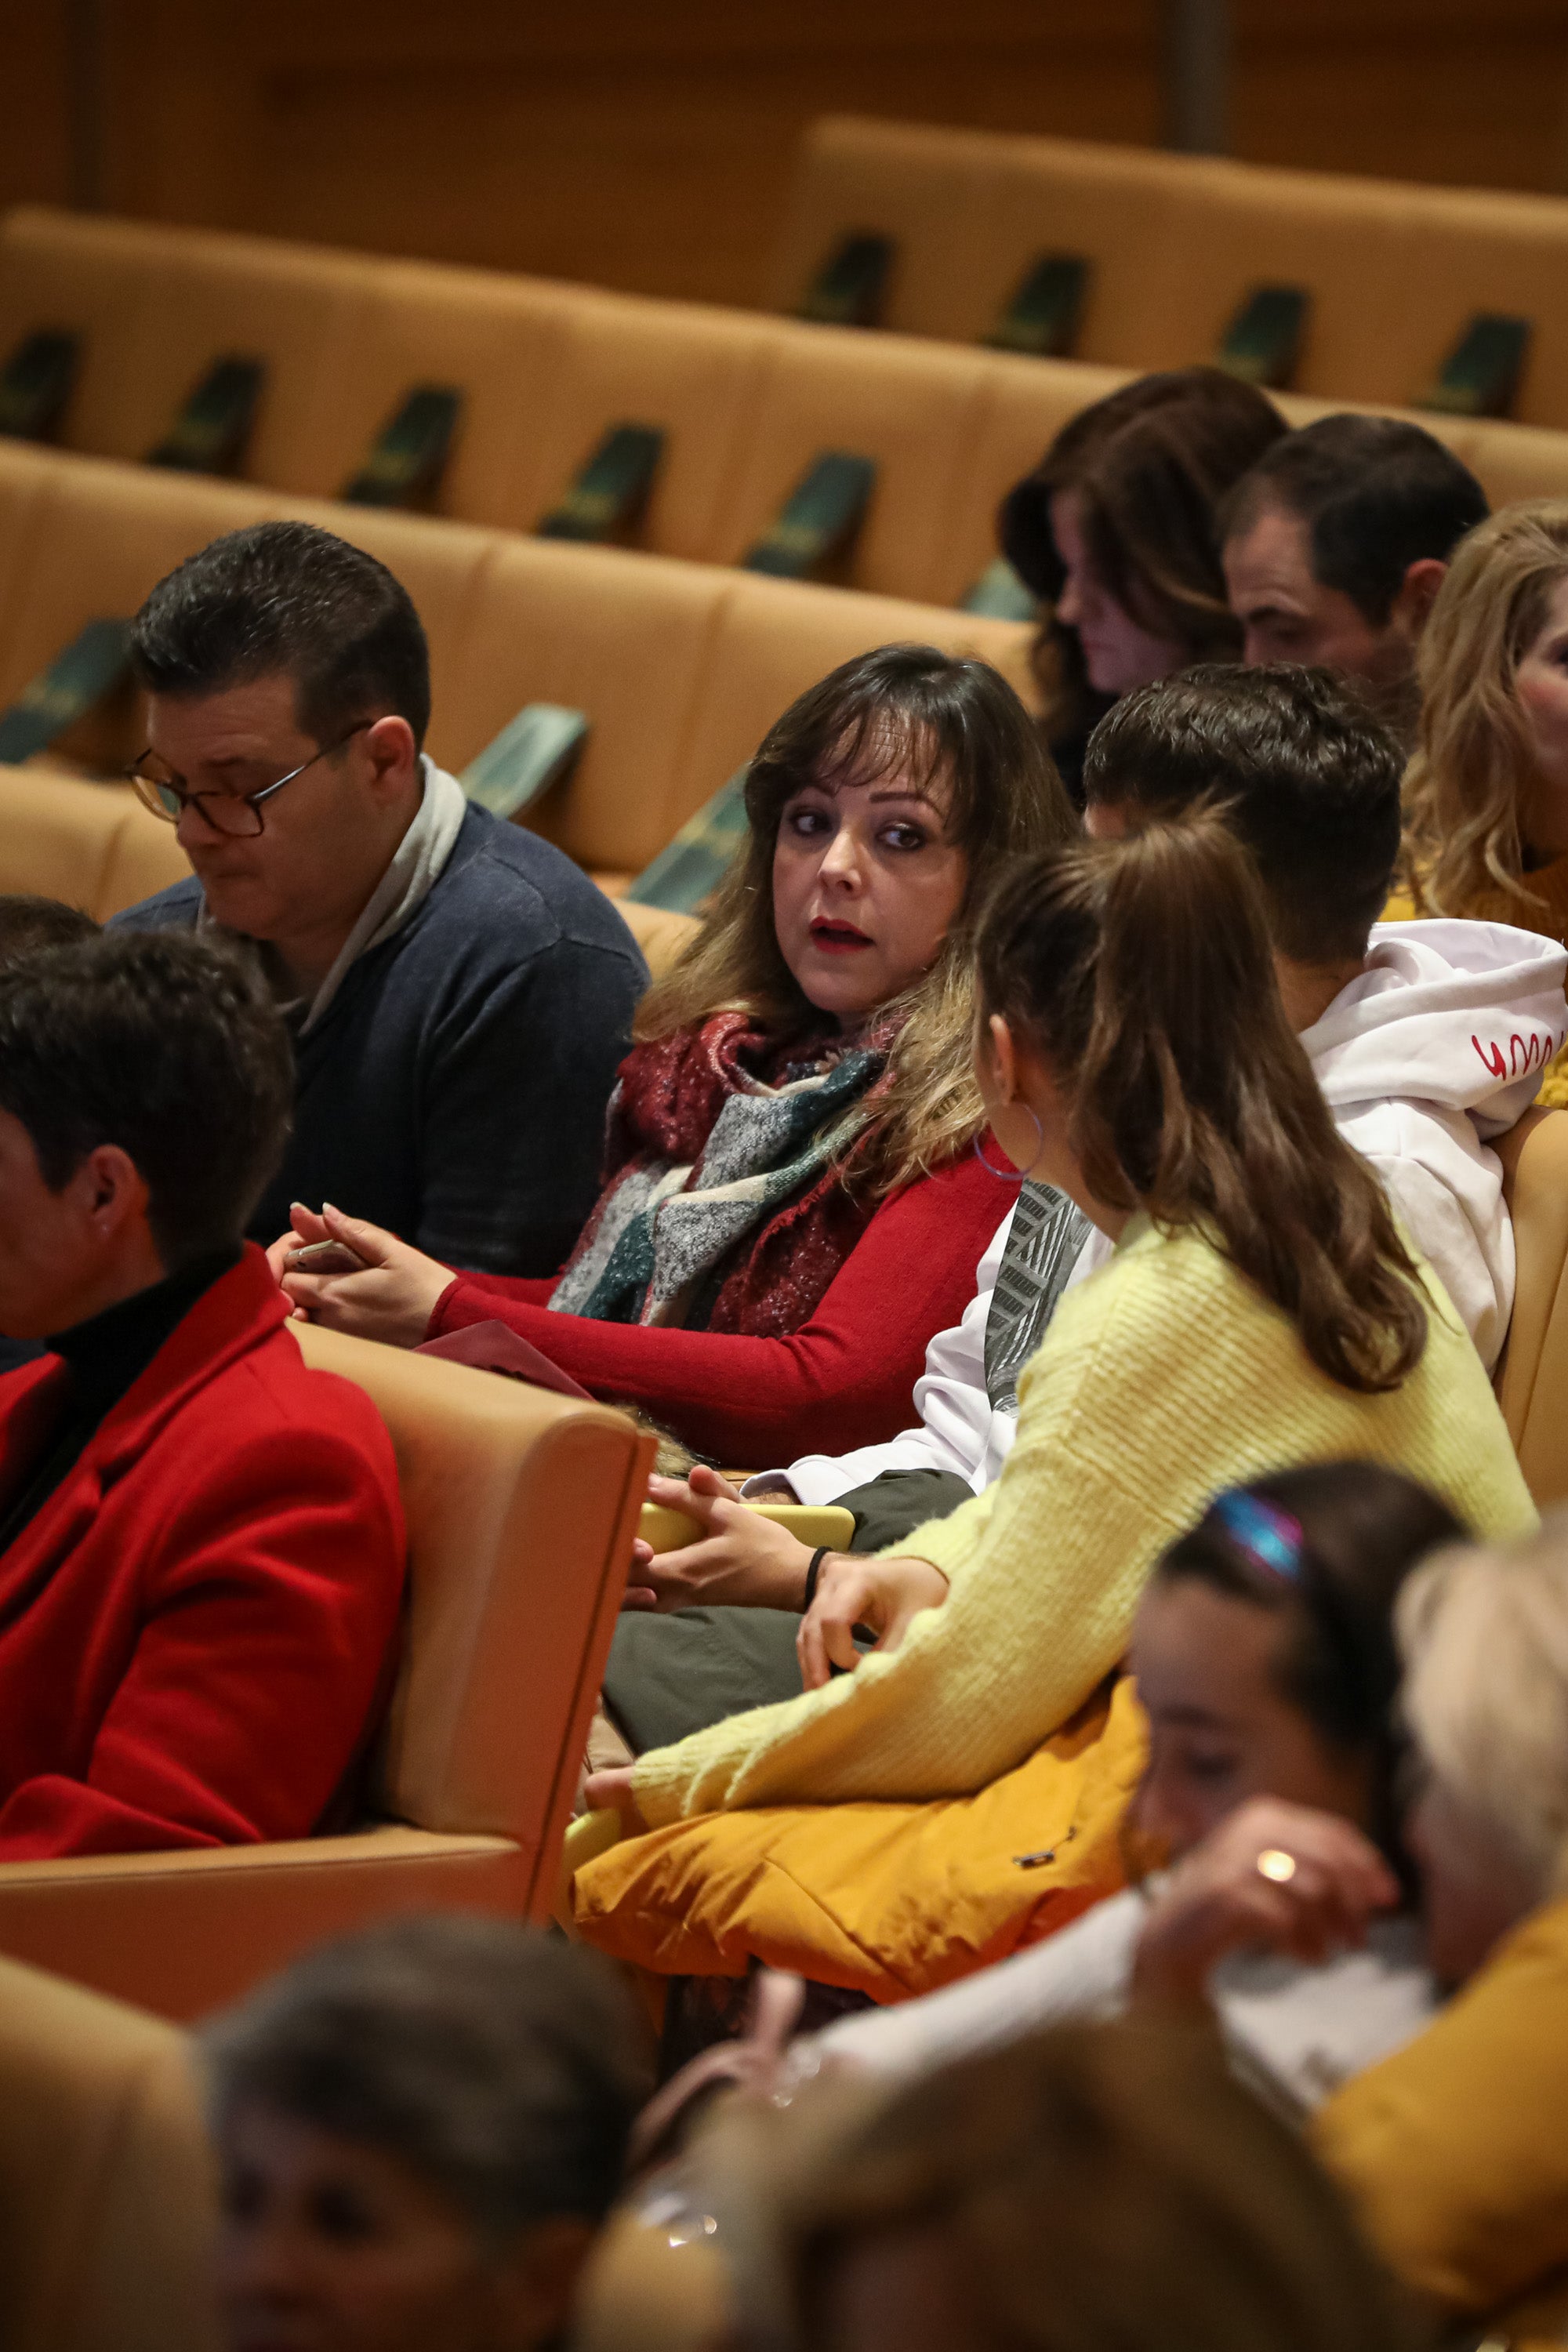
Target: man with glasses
x: 458, y: 993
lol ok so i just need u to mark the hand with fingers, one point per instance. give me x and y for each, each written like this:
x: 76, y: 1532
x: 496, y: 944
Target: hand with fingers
x: 1274, y: 1877
x: 884, y: 1595
x: 356, y: 1277
x: 611, y: 1791
x: 740, y: 1560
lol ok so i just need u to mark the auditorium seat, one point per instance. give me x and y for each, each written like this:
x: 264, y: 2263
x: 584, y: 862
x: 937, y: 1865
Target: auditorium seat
x: 156, y: 305
x: 93, y: 845
x: 1394, y: 272
x: 679, y: 667
x: 521, y: 1506
x: 746, y: 402
x: 688, y: 372
x: 886, y: 402
x: 108, y: 2207
x: 1532, y: 1379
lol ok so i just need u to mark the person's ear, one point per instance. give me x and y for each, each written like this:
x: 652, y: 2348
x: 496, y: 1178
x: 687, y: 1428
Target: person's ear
x: 109, y: 1191
x: 1001, y: 1050
x: 392, y: 756
x: 535, y: 2283
x: 1416, y: 596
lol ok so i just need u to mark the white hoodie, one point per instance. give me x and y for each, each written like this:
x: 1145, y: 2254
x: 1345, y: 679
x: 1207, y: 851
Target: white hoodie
x: 1438, y: 1045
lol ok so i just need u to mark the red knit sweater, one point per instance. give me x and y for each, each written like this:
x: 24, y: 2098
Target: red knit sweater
x: 845, y: 1378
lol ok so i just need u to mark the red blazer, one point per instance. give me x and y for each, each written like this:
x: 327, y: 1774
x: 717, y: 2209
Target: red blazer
x: 194, y: 1629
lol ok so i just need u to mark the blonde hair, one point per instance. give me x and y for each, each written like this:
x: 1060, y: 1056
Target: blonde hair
x: 1464, y: 849
x: 953, y: 720
x: 1484, y: 1634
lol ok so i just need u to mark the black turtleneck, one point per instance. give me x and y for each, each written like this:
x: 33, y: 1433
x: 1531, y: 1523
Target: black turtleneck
x: 105, y: 1357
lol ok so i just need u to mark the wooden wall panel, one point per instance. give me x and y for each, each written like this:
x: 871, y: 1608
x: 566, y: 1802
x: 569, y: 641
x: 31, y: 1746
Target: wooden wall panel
x: 648, y: 147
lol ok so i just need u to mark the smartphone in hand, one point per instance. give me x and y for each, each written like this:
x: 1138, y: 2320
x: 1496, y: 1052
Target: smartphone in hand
x: 324, y: 1257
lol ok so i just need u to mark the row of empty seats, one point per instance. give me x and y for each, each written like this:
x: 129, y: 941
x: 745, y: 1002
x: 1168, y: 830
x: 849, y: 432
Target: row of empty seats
x: 679, y: 669
x: 747, y: 405
x: 1393, y: 274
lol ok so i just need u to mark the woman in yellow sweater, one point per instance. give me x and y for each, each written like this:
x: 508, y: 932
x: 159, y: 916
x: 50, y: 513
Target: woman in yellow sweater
x: 1261, y: 1310
x: 1486, y: 833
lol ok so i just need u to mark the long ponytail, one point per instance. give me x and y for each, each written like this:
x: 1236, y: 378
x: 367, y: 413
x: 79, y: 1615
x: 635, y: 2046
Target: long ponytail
x: 1142, y: 972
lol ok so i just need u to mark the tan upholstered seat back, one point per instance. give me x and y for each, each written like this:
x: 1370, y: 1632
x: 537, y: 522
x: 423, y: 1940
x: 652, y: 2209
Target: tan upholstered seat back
x: 1395, y: 271
x: 94, y: 845
x: 1532, y: 1380
x: 520, y: 1507
x: 107, y: 2204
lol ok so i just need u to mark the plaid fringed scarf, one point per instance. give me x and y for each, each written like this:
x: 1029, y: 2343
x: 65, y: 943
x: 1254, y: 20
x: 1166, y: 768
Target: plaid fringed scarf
x: 725, y: 1209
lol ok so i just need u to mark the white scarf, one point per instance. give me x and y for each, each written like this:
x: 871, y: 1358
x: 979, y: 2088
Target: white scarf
x: 415, y: 866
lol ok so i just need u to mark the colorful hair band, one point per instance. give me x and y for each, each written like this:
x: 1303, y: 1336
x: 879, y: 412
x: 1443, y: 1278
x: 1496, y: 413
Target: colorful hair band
x: 1269, y: 1536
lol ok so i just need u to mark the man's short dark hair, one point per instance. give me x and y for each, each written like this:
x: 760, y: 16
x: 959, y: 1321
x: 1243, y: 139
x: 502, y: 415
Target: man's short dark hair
x: 284, y: 597
x: 503, y: 2067
x: 1307, y: 778
x: 28, y: 923
x: 161, y: 1045
x: 1376, y: 495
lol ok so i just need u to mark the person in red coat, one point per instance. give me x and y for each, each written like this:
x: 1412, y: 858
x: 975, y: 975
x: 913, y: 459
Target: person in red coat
x: 200, y: 1540
x: 791, y: 1207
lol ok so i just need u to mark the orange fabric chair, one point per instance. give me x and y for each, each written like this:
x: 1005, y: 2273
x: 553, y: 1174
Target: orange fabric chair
x: 521, y: 1506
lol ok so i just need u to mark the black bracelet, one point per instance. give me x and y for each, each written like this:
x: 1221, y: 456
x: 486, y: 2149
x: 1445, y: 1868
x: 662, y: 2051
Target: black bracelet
x: 812, y: 1573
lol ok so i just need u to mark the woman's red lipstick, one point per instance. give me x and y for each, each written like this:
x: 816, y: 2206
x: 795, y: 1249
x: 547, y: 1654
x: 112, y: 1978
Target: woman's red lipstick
x: 839, y: 938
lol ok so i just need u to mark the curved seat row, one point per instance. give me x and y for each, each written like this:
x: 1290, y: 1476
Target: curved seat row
x: 746, y: 405
x: 678, y: 668
x: 1393, y: 272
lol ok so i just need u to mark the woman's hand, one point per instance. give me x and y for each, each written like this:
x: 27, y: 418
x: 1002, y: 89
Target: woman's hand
x: 611, y: 1793
x: 391, y: 1294
x: 740, y: 1560
x: 885, y: 1594
x: 1275, y: 1877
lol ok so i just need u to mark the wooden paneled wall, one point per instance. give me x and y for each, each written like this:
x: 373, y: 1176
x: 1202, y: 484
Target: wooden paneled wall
x: 648, y: 146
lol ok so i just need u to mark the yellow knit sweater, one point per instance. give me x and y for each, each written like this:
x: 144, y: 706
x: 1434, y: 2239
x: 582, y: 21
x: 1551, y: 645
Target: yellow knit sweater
x: 1164, y: 1379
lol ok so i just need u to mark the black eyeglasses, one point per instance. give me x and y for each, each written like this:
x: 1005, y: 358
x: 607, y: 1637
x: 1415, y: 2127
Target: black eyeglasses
x: 234, y: 814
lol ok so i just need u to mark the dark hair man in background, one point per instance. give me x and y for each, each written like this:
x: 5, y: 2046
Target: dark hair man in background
x: 1336, y: 544
x: 460, y: 994
x: 201, y: 1542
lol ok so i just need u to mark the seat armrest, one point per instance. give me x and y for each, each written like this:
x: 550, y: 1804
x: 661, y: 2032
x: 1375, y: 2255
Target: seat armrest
x: 182, y: 1933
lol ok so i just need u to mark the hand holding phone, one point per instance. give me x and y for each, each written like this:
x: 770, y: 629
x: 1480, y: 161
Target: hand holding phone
x: 324, y: 1257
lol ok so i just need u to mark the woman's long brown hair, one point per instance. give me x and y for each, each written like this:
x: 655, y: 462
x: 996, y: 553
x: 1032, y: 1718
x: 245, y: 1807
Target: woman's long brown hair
x: 1141, y: 970
x: 1151, y: 465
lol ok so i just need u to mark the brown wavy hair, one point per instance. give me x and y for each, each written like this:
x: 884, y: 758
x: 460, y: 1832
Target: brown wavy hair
x: 1141, y: 970
x: 1151, y: 466
x: 1464, y: 851
x: 1107, y: 2183
x: 956, y: 723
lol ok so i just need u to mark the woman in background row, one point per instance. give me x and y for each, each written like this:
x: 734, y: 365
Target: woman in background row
x: 792, y: 1206
x: 1115, y: 534
x: 1487, y: 791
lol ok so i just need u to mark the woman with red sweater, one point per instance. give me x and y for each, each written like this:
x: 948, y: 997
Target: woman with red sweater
x: 793, y: 1207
